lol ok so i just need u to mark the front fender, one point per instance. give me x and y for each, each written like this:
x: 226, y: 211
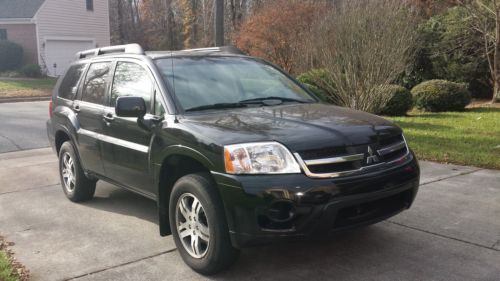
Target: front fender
x: 181, y: 150
x: 158, y: 160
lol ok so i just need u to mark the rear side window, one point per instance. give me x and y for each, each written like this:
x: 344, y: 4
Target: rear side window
x: 96, y: 83
x: 67, y: 89
x: 131, y: 79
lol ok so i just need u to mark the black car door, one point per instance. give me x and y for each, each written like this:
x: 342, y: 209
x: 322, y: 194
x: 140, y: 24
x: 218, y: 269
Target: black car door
x: 90, y: 110
x: 126, y: 154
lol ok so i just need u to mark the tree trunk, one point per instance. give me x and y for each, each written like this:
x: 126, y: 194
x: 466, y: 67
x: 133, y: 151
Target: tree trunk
x: 496, y: 93
x: 219, y: 22
x: 496, y: 56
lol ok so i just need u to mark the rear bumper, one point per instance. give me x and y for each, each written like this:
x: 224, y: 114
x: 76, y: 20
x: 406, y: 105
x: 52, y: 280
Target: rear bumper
x: 262, y: 209
x: 51, y: 135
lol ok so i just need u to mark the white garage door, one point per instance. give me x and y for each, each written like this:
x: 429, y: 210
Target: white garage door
x: 60, y: 53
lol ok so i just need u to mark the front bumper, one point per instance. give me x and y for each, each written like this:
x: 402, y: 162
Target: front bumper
x: 264, y: 208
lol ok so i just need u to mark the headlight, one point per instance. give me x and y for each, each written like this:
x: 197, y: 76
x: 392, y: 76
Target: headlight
x: 259, y: 158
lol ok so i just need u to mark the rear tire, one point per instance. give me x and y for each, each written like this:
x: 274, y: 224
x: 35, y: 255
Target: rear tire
x: 76, y: 186
x: 196, y: 213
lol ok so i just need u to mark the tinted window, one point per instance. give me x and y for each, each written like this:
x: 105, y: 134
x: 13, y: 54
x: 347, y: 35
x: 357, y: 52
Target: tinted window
x: 67, y: 89
x: 203, y: 81
x: 131, y: 79
x: 96, y: 83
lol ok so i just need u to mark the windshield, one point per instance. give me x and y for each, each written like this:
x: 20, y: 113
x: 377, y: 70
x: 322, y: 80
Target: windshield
x: 223, y: 82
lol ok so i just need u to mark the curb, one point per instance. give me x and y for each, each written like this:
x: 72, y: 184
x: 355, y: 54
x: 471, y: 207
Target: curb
x: 24, y: 99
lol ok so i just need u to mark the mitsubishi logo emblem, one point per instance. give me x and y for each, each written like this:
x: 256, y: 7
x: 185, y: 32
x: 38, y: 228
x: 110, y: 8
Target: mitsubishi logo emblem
x: 372, y: 157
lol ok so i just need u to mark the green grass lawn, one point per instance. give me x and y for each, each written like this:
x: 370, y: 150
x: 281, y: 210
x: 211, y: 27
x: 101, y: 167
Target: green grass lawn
x: 6, y: 271
x: 465, y: 138
x: 26, y: 87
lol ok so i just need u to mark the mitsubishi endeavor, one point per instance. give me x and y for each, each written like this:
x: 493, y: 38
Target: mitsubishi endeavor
x: 234, y: 151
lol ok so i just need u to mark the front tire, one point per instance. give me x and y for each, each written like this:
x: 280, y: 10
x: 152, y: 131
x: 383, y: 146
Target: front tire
x: 76, y: 186
x: 199, y: 225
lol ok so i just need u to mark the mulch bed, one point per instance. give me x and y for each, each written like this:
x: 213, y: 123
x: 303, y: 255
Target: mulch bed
x: 17, y: 267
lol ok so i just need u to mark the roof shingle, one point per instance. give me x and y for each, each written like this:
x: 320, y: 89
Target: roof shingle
x: 19, y: 8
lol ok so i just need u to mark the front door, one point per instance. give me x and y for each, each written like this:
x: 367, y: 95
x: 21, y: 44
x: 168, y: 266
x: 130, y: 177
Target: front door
x: 126, y: 153
x: 89, y: 114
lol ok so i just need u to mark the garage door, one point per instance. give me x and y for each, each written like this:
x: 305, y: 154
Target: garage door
x: 60, y: 53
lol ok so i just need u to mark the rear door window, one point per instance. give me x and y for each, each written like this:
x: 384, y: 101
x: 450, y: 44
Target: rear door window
x: 96, y: 83
x: 67, y: 89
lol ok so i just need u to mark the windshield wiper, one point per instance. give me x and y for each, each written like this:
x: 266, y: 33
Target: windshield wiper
x: 217, y: 106
x: 264, y: 99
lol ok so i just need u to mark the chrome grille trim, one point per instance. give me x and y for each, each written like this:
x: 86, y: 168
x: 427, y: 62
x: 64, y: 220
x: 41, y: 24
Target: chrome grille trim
x: 407, y: 157
x: 391, y: 148
x: 334, y: 160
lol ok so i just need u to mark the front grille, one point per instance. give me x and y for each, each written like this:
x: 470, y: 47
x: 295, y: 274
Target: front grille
x: 323, y: 153
x: 335, y: 167
x: 386, y: 141
x: 338, y: 161
x: 393, y: 151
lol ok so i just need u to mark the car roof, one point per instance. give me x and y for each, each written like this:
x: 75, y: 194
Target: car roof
x: 135, y: 50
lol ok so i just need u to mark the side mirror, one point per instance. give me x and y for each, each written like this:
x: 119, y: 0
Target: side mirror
x: 130, y: 107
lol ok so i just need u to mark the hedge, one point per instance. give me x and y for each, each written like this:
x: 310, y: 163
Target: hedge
x: 441, y: 95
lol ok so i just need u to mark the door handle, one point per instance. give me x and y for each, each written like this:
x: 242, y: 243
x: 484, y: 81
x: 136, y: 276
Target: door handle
x: 109, y: 117
x: 76, y: 107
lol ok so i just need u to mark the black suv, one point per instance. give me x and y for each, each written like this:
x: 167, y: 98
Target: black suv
x: 234, y: 151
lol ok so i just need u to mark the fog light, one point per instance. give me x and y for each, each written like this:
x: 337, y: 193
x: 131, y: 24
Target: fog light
x: 281, y: 211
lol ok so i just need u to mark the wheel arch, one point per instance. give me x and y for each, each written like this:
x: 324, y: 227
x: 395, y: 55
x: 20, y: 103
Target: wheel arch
x: 176, y: 162
x: 61, y: 137
x: 63, y: 134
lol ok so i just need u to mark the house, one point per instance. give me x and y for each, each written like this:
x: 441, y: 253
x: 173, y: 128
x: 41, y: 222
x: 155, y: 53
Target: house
x: 52, y: 31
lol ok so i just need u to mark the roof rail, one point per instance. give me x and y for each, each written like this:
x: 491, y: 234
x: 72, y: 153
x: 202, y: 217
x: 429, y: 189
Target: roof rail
x: 226, y: 49
x: 127, y: 49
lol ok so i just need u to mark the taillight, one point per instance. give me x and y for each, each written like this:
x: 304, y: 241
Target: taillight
x: 50, y: 109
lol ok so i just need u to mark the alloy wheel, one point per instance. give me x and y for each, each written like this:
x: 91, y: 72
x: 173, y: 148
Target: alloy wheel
x: 68, y: 172
x: 192, y: 225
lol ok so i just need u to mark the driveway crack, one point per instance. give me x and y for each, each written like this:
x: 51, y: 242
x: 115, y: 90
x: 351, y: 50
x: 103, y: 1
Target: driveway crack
x: 120, y: 265
x: 11, y: 141
x: 28, y: 189
x: 444, y: 236
x: 453, y: 176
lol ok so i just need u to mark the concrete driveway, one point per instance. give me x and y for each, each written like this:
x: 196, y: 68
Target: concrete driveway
x: 22, y: 125
x: 451, y: 233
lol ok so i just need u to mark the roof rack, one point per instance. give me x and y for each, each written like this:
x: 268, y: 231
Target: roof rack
x: 226, y: 49
x: 127, y: 49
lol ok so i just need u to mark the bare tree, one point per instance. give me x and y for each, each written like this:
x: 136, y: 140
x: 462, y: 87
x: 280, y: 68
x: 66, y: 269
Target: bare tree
x: 485, y: 21
x: 125, y: 22
x: 160, y: 25
x: 278, y: 33
x: 364, y: 46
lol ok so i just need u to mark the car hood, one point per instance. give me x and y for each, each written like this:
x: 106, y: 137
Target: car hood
x: 297, y: 126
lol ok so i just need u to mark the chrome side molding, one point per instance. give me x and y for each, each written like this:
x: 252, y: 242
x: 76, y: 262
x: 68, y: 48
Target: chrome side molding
x: 116, y: 141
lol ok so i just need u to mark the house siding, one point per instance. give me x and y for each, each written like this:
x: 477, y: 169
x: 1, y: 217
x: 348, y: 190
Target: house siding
x: 24, y: 35
x: 70, y: 19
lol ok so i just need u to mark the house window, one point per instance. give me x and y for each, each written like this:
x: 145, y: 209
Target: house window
x: 90, y: 5
x: 3, y: 34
